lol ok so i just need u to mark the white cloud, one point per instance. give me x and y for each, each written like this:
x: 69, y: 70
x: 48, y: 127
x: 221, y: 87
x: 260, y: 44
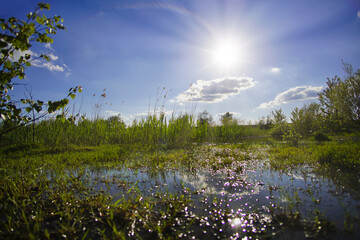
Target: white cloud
x: 36, y: 61
x: 216, y: 90
x: 48, y: 46
x: 358, y: 14
x: 293, y: 94
x: 52, y: 67
x: 52, y: 57
x: 275, y: 70
x: 67, y: 70
x: 42, y: 63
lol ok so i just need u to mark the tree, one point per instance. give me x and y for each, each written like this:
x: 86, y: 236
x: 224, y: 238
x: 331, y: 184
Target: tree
x: 306, y: 120
x: 340, y: 101
x: 115, y: 121
x: 16, y: 38
x: 228, y: 119
x: 265, y: 123
x: 279, y: 116
x: 204, y: 118
x: 281, y: 127
x: 204, y: 121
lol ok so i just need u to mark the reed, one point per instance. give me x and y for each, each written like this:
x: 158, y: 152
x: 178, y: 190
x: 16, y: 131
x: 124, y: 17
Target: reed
x: 152, y: 131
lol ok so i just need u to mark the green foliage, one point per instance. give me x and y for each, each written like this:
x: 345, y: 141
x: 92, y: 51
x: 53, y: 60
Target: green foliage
x: 266, y: 123
x: 121, y: 191
x: 231, y: 131
x: 306, y: 120
x: 321, y: 137
x: 285, y: 156
x: 280, y: 127
x: 343, y: 156
x: 181, y: 131
x: 292, y: 137
x: 279, y: 130
x: 279, y: 116
x: 332, y: 155
x: 228, y: 119
x: 228, y: 128
x: 151, y: 132
x: 204, y: 122
x: 16, y: 38
x: 340, y: 101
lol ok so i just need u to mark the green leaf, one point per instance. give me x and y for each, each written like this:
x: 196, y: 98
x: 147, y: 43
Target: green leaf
x: 72, y: 96
x: 44, y: 6
x: 38, y: 108
x: 21, y: 75
x: 8, y: 64
x: 28, y: 109
x: 40, y: 20
x: 28, y: 64
x: 45, y: 57
x: 3, y: 26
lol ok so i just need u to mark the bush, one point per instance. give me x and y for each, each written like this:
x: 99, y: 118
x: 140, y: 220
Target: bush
x: 321, y: 137
x: 292, y: 137
x: 344, y: 156
x: 279, y: 130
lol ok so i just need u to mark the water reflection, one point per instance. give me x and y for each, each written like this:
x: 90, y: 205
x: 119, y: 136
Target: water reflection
x: 232, y: 204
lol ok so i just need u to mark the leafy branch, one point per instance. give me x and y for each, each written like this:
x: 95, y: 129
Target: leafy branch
x: 16, y: 38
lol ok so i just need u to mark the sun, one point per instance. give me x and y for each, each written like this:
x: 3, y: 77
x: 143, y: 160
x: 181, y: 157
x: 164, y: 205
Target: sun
x: 225, y: 53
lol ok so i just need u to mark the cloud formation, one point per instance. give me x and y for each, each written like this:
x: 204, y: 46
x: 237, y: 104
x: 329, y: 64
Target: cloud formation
x: 37, y: 61
x: 275, y: 70
x: 216, y: 90
x: 293, y: 94
x: 358, y: 14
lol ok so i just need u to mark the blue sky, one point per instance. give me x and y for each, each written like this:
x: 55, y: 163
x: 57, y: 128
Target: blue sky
x: 246, y: 57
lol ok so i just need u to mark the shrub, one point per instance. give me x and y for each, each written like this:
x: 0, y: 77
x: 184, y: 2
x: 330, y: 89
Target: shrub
x: 321, y: 137
x: 279, y: 130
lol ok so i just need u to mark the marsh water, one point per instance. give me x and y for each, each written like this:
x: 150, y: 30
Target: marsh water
x: 253, y: 201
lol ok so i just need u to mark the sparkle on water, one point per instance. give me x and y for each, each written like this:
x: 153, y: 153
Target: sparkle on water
x: 239, y: 199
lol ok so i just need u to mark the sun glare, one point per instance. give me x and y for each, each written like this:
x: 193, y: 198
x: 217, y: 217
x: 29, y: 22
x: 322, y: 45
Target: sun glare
x: 225, y: 54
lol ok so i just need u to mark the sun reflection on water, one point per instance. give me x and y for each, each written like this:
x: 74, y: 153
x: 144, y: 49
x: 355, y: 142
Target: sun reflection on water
x: 235, y: 222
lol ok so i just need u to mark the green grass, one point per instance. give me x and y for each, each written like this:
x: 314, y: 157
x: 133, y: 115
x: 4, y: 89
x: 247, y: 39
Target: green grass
x: 151, y: 132
x: 49, y: 194
x: 335, y: 155
x: 48, y: 189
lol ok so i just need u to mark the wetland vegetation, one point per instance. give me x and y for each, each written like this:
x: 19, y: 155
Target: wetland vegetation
x: 182, y: 177
x: 154, y: 181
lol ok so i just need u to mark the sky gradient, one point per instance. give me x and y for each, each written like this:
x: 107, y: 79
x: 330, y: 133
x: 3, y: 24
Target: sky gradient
x: 247, y: 57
